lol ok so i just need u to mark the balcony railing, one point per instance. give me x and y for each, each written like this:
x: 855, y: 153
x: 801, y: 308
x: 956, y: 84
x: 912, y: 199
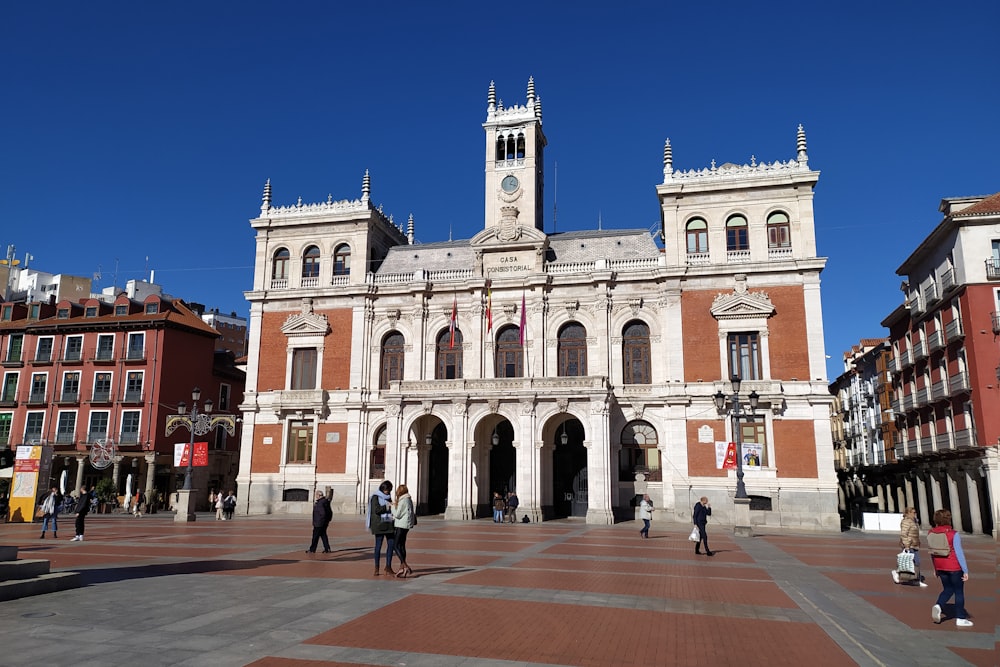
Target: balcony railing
x: 697, y: 258
x: 737, y: 256
x: 921, y: 397
x: 963, y: 438
x: 133, y: 397
x: 94, y: 436
x: 37, y: 397
x: 993, y: 268
x: 959, y: 382
x: 905, y: 359
x: 340, y: 280
x: 947, y: 280
x: 135, y: 355
x: 935, y: 341
x: 42, y: 358
x: 930, y: 294
x: 779, y: 253
x: 128, y: 438
x: 311, y: 281
x: 72, y: 356
x: 104, y: 356
x: 65, y: 438
x: 32, y: 436
x: 953, y: 330
x: 939, y: 390
x: 69, y: 397
x: 995, y: 320
x: 279, y: 283
x: 919, y: 351
x: 101, y: 397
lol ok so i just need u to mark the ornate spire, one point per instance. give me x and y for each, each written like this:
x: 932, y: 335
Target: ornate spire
x: 409, y: 230
x: 491, y: 97
x: 800, y: 145
x: 500, y: 105
x: 531, y: 89
x: 668, y: 158
x: 265, y: 204
x: 366, y: 187
x: 538, y: 108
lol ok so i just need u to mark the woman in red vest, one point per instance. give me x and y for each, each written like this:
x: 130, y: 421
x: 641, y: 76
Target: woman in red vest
x: 952, y: 570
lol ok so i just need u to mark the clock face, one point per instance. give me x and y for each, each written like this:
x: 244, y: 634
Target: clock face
x: 510, y: 184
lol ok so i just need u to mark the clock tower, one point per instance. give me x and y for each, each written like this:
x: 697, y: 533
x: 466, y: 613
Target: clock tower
x: 515, y: 165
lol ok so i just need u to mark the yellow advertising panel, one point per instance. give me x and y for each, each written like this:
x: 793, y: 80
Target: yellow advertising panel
x: 32, y: 466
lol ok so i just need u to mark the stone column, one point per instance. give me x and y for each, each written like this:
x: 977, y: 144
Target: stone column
x: 975, y: 507
x: 925, y: 512
x: 935, y: 492
x: 81, y: 460
x: 955, y: 499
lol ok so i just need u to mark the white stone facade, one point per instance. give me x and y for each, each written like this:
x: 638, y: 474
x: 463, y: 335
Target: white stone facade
x: 584, y: 364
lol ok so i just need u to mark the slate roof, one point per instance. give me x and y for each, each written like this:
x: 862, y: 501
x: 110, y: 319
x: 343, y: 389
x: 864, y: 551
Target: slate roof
x: 578, y: 246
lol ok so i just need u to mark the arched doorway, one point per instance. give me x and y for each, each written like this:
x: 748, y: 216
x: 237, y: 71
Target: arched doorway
x: 503, y: 459
x: 569, y: 471
x: 437, y: 471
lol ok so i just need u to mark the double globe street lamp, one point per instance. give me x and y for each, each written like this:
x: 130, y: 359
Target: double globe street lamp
x: 198, y: 423
x: 742, y: 500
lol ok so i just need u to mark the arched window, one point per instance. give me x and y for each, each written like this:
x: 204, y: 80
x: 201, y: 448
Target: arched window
x: 376, y: 463
x: 737, y: 237
x: 501, y: 148
x: 520, y: 147
x: 342, y: 260
x: 639, y: 452
x: 635, y: 354
x: 510, y: 148
x: 392, y: 359
x: 509, y: 353
x: 572, y: 350
x: 697, y: 236
x: 310, y: 262
x: 279, y: 265
x: 449, y: 357
x: 778, y: 234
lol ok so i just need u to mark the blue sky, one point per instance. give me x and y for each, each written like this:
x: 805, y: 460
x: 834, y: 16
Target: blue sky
x: 147, y: 130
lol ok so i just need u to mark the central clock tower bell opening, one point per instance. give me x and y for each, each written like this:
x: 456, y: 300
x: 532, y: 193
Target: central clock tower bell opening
x: 515, y: 164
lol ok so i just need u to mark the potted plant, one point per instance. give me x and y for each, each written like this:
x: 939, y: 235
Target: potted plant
x: 106, y: 492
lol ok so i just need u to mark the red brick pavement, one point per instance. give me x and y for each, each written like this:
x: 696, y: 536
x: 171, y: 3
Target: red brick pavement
x: 579, y: 635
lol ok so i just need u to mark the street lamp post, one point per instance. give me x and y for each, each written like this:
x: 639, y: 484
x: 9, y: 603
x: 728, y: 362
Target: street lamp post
x: 742, y: 500
x: 198, y: 423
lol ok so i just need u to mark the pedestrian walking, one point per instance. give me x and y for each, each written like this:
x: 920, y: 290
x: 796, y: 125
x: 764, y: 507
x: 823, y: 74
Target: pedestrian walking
x: 322, y: 516
x: 702, y: 510
x: 82, y: 509
x: 219, y: 500
x: 646, y: 514
x: 909, y: 539
x: 405, y: 518
x: 512, y: 504
x: 498, y: 507
x: 50, y: 511
x: 382, y: 525
x: 228, y: 506
x: 140, y: 500
x: 945, y: 546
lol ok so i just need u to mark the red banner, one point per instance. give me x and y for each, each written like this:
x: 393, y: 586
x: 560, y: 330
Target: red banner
x: 200, y: 455
x: 730, y: 462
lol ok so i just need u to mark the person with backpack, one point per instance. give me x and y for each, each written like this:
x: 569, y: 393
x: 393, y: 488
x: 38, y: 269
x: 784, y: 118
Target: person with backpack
x: 945, y: 547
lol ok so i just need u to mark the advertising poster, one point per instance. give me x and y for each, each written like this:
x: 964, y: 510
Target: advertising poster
x: 753, y: 454
x: 181, y: 454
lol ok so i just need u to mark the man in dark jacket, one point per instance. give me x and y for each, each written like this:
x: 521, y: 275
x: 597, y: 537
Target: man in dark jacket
x: 82, y: 509
x: 701, y: 513
x: 322, y: 516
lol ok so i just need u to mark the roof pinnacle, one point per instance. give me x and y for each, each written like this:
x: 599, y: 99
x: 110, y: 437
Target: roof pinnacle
x: 265, y: 204
x: 800, y: 145
x: 668, y: 158
x: 366, y: 187
x: 491, y: 97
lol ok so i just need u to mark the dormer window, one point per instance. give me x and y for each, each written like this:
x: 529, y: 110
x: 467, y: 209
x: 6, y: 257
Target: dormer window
x: 121, y: 309
x: 91, y: 311
x: 152, y: 308
x: 62, y: 314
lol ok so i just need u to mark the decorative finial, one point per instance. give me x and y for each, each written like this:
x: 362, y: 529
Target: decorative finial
x: 500, y: 105
x: 265, y: 204
x: 299, y: 203
x: 329, y: 198
x: 753, y: 160
x: 668, y: 158
x: 531, y: 89
x: 800, y: 145
x: 538, y: 108
x: 409, y: 229
x: 366, y: 187
x: 491, y: 97
x: 713, y: 164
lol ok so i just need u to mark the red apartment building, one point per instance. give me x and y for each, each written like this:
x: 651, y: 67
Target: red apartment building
x: 945, y: 368
x: 79, y: 373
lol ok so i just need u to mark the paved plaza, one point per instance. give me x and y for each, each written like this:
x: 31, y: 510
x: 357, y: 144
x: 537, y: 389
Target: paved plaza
x: 243, y: 592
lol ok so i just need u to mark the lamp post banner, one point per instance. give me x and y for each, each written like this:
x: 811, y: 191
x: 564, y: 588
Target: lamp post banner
x: 181, y: 454
x: 730, y: 462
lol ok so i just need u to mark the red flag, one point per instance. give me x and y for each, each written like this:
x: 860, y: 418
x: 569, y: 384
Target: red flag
x: 730, y: 461
x: 451, y: 325
x: 524, y: 321
x: 489, y: 305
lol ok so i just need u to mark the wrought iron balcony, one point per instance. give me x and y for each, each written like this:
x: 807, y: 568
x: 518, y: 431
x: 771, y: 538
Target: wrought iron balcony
x: 64, y: 438
x: 37, y: 397
x: 101, y: 397
x: 69, y: 397
x: 993, y: 268
x: 128, y: 438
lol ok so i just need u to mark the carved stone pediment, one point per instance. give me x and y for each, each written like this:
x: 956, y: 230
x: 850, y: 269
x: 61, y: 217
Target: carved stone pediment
x: 740, y: 305
x: 306, y: 322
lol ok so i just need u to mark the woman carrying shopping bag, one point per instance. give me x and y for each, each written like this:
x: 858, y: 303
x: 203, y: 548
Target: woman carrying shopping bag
x: 909, y: 542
